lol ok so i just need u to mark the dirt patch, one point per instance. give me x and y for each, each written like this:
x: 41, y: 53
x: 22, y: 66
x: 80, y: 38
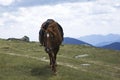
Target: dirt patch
x: 81, y: 56
x: 42, y: 59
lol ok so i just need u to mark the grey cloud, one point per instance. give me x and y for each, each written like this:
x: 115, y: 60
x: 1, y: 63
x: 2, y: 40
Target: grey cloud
x: 27, y: 3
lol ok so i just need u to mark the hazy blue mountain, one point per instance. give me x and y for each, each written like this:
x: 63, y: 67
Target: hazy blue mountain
x: 100, y: 40
x: 102, y: 44
x: 114, y: 46
x: 68, y: 40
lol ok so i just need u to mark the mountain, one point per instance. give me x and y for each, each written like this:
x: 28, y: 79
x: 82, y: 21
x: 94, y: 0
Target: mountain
x: 101, y: 40
x: 68, y: 40
x: 114, y: 46
x: 103, y: 44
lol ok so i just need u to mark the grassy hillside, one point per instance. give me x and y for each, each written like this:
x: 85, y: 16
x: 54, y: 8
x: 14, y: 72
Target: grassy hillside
x: 28, y: 61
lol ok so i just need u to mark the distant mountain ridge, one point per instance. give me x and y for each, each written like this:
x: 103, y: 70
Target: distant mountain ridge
x: 114, y: 46
x: 68, y: 40
x: 101, y: 40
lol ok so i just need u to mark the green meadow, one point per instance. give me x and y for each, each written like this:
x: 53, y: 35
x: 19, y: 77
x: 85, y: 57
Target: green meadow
x: 28, y: 61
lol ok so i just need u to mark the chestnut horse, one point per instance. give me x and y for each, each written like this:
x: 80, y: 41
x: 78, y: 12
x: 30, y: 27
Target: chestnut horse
x: 51, y: 37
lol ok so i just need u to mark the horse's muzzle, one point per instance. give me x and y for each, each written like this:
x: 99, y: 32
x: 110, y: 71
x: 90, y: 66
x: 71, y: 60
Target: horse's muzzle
x: 48, y: 49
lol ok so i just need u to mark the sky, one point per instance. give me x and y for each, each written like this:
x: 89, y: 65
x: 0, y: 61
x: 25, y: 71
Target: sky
x: 77, y: 17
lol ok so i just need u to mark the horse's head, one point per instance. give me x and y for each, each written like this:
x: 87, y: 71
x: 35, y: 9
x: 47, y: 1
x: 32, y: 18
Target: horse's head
x: 49, y: 41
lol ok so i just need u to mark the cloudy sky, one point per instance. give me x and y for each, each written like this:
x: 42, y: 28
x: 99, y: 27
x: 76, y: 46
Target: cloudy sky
x: 77, y: 17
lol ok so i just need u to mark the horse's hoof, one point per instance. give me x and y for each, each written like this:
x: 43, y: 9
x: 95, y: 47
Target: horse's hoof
x: 50, y: 66
x: 55, y: 73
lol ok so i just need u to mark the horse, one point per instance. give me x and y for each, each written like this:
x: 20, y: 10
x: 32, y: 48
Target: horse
x: 51, y: 37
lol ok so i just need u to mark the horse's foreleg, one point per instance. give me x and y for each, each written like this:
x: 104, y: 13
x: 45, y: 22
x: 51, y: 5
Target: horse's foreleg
x: 55, y: 54
x: 53, y: 63
x: 50, y: 57
x: 55, y: 59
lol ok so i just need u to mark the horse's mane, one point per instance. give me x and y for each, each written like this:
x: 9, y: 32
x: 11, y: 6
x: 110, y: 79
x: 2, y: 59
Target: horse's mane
x: 54, y: 29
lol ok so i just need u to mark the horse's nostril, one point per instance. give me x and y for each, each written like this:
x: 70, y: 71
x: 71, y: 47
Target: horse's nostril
x: 48, y: 50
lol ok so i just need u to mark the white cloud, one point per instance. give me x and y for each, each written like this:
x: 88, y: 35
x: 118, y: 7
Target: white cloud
x: 6, y: 2
x: 1, y: 22
x: 77, y: 19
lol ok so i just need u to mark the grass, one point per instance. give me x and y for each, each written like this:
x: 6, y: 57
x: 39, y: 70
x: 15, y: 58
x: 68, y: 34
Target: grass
x: 103, y: 63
